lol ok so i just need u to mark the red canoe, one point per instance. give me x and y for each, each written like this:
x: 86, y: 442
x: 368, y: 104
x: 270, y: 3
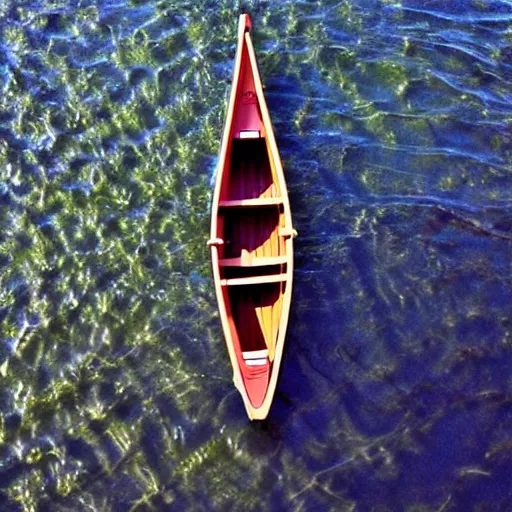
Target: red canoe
x: 251, y: 236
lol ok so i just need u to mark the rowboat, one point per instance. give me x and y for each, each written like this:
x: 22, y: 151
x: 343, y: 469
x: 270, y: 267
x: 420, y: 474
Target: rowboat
x: 251, y: 237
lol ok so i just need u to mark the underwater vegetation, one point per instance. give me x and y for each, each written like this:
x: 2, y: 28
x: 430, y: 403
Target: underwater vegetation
x: 393, y: 120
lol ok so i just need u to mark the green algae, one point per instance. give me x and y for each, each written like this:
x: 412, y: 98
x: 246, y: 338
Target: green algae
x: 390, y: 73
x: 15, y: 36
x: 136, y: 50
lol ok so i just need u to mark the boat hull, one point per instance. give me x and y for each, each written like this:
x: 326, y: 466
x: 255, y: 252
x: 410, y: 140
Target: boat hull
x: 251, y: 236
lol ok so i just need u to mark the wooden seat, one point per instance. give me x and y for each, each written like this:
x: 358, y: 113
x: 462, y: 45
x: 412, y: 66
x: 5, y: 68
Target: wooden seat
x: 239, y: 281
x: 251, y: 203
x: 248, y: 134
x: 256, y: 357
x: 247, y: 260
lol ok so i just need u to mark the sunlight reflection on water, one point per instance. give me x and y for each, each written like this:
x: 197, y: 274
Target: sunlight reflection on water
x: 393, y: 124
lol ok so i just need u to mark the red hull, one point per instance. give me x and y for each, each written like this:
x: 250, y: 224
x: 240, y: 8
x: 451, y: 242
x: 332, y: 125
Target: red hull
x: 251, y: 236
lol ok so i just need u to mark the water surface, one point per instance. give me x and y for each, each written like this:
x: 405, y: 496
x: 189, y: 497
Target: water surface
x: 393, y: 120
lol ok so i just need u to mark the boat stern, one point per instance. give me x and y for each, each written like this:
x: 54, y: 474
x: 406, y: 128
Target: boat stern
x: 255, y: 370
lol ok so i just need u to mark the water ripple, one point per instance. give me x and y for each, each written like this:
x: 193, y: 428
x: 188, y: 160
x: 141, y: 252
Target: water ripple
x: 393, y: 120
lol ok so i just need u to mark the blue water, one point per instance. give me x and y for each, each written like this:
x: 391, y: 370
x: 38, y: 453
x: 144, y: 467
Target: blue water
x: 393, y: 121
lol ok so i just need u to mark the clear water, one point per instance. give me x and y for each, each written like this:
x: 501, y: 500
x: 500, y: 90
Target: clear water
x: 394, y: 124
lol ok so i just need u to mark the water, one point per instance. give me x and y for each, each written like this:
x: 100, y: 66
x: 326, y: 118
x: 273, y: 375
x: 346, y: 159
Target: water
x: 393, y: 120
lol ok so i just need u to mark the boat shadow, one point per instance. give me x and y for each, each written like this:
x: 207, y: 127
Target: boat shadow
x: 253, y: 313
x: 247, y: 230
